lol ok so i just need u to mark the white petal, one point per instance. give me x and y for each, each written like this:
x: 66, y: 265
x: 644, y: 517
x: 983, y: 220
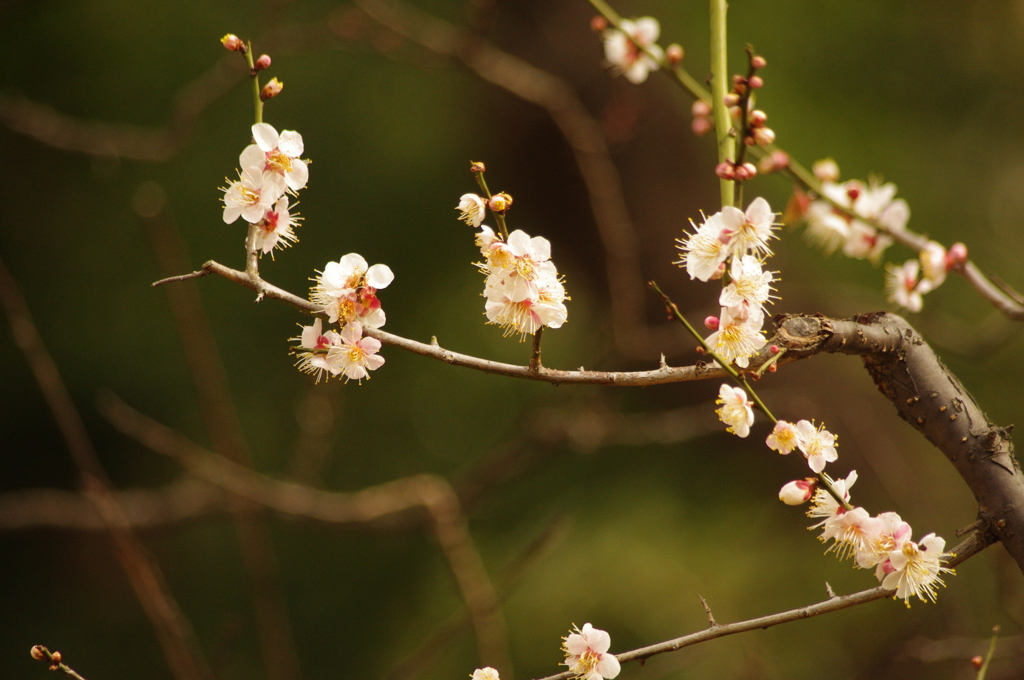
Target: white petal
x: 379, y: 276
x: 265, y: 136
x: 608, y: 666
x: 298, y: 177
x: 290, y: 143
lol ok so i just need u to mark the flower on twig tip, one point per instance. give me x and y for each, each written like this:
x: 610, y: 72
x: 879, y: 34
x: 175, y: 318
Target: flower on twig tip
x: 487, y: 673
x: 624, y: 49
x: 356, y: 355
x: 736, y: 411
x: 586, y: 654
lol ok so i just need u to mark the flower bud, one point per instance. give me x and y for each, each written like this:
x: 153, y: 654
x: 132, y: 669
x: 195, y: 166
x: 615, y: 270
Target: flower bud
x: 500, y: 202
x: 37, y: 653
x: 757, y: 118
x: 725, y: 170
x: 477, y: 166
x: 773, y: 368
x: 711, y: 323
x: 764, y: 136
x: 956, y: 256
x: 701, y: 125
x: 55, y: 659
x: 826, y: 170
x: 977, y: 662
x: 674, y: 54
x: 755, y: 82
x: 598, y: 24
x: 774, y: 349
x: 757, y: 61
x: 853, y: 193
x: 261, y: 63
x: 738, y: 80
x: 798, y: 491
x: 700, y: 109
x: 749, y: 140
x: 233, y: 43
x: 773, y: 162
x: 745, y: 172
x: 271, y: 89
x: 731, y: 100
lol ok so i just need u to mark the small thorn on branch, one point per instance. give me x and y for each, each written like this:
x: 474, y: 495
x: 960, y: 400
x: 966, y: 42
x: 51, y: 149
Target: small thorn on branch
x: 181, y: 277
x: 711, y: 617
x: 831, y: 593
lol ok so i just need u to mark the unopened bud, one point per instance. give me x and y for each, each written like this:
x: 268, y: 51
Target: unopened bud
x: 738, y: 80
x: 749, y: 140
x: 826, y: 170
x: 798, y: 491
x: 757, y: 61
x: 477, y: 166
x: 271, y: 89
x: 500, y: 202
x: 853, y: 193
x: 977, y: 662
x: 725, y: 170
x: 764, y: 136
x: 261, y: 63
x: 755, y: 82
x: 674, y: 53
x: 37, y: 653
x: 957, y: 256
x: 773, y: 368
x: 55, y: 659
x: 773, y: 162
x: 598, y: 24
x: 233, y: 42
x: 774, y: 349
x: 757, y: 118
x: 731, y: 99
x: 745, y: 172
x: 701, y: 125
x: 700, y: 109
x: 711, y: 323
x: 699, y: 350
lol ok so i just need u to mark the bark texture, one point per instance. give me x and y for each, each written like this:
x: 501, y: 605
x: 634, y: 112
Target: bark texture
x: 929, y: 397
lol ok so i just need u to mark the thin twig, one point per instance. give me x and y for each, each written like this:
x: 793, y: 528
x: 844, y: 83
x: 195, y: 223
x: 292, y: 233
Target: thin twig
x: 966, y: 549
x: 173, y: 630
x: 41, y: 653
x: 430, y: 492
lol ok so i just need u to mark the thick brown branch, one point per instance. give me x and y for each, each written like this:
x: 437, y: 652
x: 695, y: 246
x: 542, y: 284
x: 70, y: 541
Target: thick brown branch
x: 929, y: 397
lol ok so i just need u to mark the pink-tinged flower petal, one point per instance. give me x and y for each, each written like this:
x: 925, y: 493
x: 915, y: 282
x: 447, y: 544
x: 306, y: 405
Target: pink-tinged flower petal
x: 253, y: 157
x: 608, y: 667
x: 373, y: 361
x: 379, y: 276
x: 375, y: 319
x: 575, y: 644
x: 232, y: 213
x: 352, y: 332
x: 266, y: 136
x: 290, y: 142
x: 598, y: 640
x: 310, y: 334
x: 759, y: 212
x: 298, y: 177
x: 646, y: 30
x: 368, y: 344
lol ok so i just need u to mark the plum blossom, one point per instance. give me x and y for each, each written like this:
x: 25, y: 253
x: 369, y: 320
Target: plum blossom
x: 749, y: 283
x: 521, y: 265
x: 276, y: 157
x: 783, y: 438
x: 850, y: 531
x: 915, y: 569
x: 356, y: 355
x: 749, y: 231
x: 347, y: 290
x: 888, y: 535
x: 316, y: 360
x: 704, y: 251
x: 901, y: 285
x: 526, y: 316
x: 736, y: 411
x: 586, y: 654
x: 277, y: 228
x: 472, y: 209
x: 624, y: 49
x: 798, y: 492
x: 934, y: 266
x: 485, y: 674
x: 250, y: 197
x: 831, y: 227
x: 818, y: 445
x: 739, y: 334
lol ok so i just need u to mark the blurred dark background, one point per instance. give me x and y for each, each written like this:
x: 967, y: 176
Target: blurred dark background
x: 110, y: 109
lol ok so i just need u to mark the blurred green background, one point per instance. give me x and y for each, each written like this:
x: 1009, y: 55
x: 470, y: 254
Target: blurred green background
x: 646, y: 500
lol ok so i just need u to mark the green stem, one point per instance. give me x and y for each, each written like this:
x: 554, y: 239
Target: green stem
x: 257, y: 100
x: 988, y: 656
x: 498, y: 217
x: 719, y: 88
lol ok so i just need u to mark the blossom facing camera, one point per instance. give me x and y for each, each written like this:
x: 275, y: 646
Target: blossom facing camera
x: 276, y: 156
x: 736, y: 411
x: 915, y: 569
x: 250, y: 197
x: 633, y: 51
x: 356, y: 356
x: 586, y: 654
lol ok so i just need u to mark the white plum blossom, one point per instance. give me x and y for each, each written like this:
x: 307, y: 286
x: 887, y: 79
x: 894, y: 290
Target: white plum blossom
x: 704, y: 251
x: 824, y: 505
x: 901, y: 285
x: 485, y: 238
x: 934, y: 266
x: 915, y: 569
x: 624, y: 49
x: 277, y: 228
x: 356, y: 355
x: 736, y: 411
x: 276, y: 157
x: 526, y: 316
x: 485, y: 674
x: 831, y: 228
x: 850, y: 530
x: 749, y: 231
x: 473, y: 209
x: 586, y: 654
x: 521, y: 265
x: 783, y: 438
x: 888, y: 535
x: 347, y: 290
x: 316, y: 360
x: 250, y: 197
x: 739, y: 334
x: 749, y: 283
x: 817, y: 444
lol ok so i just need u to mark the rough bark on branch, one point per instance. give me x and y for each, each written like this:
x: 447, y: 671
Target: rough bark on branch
x: 929, y: 397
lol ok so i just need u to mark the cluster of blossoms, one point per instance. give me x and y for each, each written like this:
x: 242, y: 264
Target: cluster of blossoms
x: 734, y: 242
x: 347, y: 291
x: 839, y: 220
x: 524, y: 291
x: 586, y: 655
x: 271, y: 171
